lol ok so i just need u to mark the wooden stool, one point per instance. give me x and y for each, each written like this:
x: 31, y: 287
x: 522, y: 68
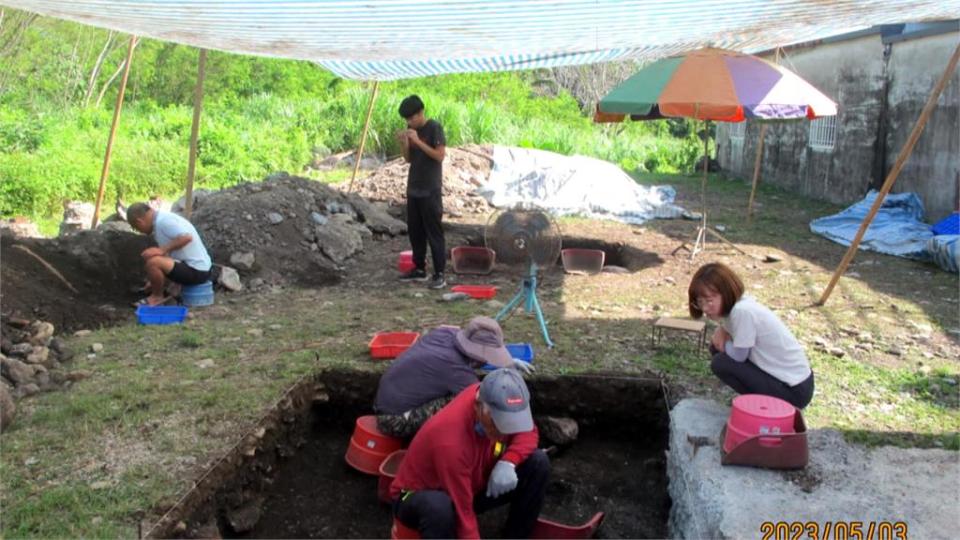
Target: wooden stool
x: 683, y: 325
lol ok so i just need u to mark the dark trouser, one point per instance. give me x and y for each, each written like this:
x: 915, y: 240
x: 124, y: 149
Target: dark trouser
x: 746, y: 378
x: 433, y: 515
x: 424, y: 225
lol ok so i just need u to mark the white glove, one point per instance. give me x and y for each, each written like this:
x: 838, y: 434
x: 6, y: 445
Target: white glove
x: 503, y: 479
x: 525, y: 368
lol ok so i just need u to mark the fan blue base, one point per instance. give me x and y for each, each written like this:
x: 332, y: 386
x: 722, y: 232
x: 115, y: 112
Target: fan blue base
x: 528, y: 295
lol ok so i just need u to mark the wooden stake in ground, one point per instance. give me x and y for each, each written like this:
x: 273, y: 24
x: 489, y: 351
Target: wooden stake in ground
x: 195, y: 132
x: 105, y: 172
x: 756, y: 171
x: 363, y: 136
x: 894, y: 172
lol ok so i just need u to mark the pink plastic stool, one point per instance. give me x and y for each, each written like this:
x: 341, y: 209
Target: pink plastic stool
x: 756, y: 414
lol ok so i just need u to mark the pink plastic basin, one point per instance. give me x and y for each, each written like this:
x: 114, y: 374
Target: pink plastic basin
x: 583, y: 261
x: 472, y: 260
x: 756, y: 414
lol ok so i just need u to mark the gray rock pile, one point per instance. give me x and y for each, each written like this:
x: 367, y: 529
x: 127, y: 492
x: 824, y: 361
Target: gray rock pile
x: 464, y: 169
x: 31, y: 361
x: 288, y: 229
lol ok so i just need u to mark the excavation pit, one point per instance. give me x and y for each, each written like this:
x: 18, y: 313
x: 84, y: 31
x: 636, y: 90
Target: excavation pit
x: 289, y: 479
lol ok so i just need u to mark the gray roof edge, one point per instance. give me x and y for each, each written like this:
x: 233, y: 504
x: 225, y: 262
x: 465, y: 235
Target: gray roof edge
x: 889, y: 33
x: 934, y: 29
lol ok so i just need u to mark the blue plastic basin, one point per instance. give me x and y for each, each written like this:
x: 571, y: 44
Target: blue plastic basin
x: 161, y: 314
x: 520, y: 351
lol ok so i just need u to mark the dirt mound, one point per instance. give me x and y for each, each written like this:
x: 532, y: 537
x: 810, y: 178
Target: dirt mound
x: 288, y: 229
x: 98, y: 270
x: 464, y: 169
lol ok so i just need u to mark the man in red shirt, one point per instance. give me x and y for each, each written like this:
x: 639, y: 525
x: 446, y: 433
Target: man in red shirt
x: 477, y: 453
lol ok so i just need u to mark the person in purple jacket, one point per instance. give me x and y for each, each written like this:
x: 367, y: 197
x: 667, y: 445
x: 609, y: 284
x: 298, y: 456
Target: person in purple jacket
x: 423, y: 379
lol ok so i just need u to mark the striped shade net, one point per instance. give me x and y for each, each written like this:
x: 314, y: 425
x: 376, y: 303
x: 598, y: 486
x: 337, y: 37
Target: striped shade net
x: 396, y: 39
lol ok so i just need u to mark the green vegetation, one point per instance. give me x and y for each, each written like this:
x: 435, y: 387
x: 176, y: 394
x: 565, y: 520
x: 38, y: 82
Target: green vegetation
x: 260, y: 115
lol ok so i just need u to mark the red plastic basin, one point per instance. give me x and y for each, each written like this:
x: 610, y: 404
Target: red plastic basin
x: 386, y: 345
x: 369, y: 447
x: 476, y: 291
x: 756, y: 414
x: 388, y: 471
x: 472, y: 259
x: 399, y: 531
x: 405, y: 262
x: 583, y: 261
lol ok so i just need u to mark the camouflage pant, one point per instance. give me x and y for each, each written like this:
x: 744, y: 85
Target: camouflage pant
x: 406, y: 425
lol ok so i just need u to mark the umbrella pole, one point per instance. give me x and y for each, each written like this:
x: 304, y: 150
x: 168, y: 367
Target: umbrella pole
x: 700, y: 244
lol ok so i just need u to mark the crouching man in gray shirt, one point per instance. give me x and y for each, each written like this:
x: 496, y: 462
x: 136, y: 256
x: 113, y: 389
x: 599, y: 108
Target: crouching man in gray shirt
x: 180, y: 254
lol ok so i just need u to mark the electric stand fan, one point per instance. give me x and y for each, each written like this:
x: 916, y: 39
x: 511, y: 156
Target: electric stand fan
x: 525, y: 236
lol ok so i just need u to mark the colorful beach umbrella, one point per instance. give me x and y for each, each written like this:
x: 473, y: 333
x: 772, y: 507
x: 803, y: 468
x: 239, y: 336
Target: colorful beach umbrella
x: 714, y: 84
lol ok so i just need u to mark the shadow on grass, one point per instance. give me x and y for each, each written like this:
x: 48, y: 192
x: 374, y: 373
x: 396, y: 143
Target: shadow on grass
x: 781, y: 221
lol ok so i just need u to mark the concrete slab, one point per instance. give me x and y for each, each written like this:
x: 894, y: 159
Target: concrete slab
x: 843, y: 483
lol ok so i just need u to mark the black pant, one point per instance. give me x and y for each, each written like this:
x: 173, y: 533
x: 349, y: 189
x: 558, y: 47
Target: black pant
x: 424, y: 225
x: 433, y: 515
x: 746, y: 378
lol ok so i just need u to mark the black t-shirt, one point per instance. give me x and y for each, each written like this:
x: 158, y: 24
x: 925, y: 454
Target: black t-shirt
x: 426, y: 174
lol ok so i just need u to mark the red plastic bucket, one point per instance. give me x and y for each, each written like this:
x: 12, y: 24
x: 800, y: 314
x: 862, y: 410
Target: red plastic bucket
x: 369, y: 447
x: 399, y: 531
x: 756, y: 414
x: 388, y: 471
x: 405, y: 262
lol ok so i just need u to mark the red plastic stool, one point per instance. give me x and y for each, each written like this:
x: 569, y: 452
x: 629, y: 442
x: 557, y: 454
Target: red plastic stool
x: 401, y: 531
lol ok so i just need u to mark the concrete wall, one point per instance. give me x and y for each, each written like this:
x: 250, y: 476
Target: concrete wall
x: 879, y: 101
x: 933, y: 170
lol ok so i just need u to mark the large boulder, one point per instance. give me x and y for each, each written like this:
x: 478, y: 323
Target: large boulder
x: 18, y: 372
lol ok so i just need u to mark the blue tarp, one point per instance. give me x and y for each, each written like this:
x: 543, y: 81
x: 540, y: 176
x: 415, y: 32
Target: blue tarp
x: 943, y: 249
x: 897, y: 229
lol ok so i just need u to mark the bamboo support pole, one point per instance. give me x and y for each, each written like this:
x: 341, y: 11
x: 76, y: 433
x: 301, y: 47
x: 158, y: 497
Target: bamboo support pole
x: 363, y: 136
x: 105, y: 172
x: 195, y: 132
x: 894, y: 172
x: 756, y: 171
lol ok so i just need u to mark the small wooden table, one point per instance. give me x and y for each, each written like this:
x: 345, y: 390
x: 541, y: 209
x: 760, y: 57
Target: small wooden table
x: 683, y: 325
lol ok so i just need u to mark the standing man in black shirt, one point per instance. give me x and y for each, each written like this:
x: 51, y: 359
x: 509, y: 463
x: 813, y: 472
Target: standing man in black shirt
x: 424, y: 147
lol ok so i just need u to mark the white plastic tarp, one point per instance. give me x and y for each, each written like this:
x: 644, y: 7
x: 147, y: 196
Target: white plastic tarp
x: 573, y: 185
